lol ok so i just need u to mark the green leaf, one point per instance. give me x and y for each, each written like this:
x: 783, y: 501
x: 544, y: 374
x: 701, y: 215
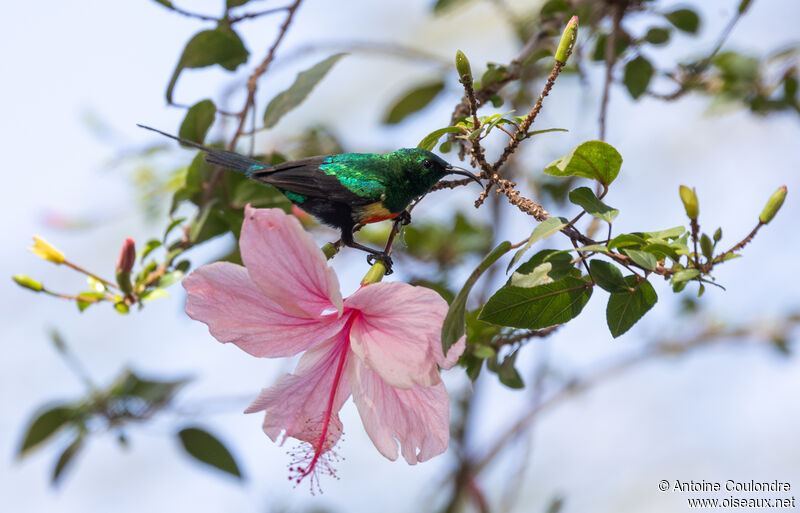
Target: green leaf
x: 561, y: 262
x: 299, y: 90
x: 596, y: 160
x: 670, y: 233
x: 230, y: 4
x: 412, y: 101
x: 43, y: 426
x: 443, y: 6
x: 585, y: 198
x: 218, y: 46
x: 626, y: 308
x: 148, y: 248
x: 129, y: 384
x: 682, y: 277
x: 66, y: 458
x: 643, y: 258
x: 537, y: 307
x: 454, y: 322
x: 539, y: 276
x: 684, y: 19
x: 608, y: 276
x: 169, y: 278
x: 638, y: 73
x: 197, y: 121
x: 204, y: 447
x: 507, y: 372
x: 621, y: 43
x: 626, y: 240
x: 165, y: 3
x: 152, y: 294
x: 542, y: 231
x: 657, y: 35
x: 706, y: 246
x: 430, y: 140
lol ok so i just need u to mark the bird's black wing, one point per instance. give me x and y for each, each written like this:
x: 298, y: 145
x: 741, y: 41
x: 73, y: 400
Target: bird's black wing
x: 305, y: 177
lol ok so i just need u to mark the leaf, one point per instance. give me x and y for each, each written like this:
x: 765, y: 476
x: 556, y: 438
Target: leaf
x: 148, y: 248
x: 412, y: 101
x: 152, y: 294
x: 626, y: 308
x: 537, y: 307
x: 43, y: 426
x: 542, y: 231
x: 299, y: 90
x: 657, y: 35
x: 169, y: 278
x: 197, y: 121
x: 596, y: 160
x: 670, y: 233
x: 443, y: 6
x: 129, y: 384
x: 626, y: 240
x: 66, y: 458
x: 608, y: 276
x: 561, y: 262
x: 638, y: 73
x: 643, y: 258
x: 204, y: 447
x: 230, y: 4
x: 585, y: 198
x: 534, y: 278
x: 430, y: 140
x: 507, y: 372
x: 682, y: 277
x: 684, y: 19
x: 209, y: 47
x: 454, y: 322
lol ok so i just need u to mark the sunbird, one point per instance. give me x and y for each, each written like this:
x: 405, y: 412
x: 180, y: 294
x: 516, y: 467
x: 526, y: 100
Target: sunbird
x: 347, y: 189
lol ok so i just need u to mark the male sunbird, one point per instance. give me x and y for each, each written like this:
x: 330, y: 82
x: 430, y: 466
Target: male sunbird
x: 345, y: 190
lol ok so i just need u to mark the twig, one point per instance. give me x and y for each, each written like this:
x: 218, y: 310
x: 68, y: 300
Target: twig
x: 611, y: 59
x: 712, y: 334
x: 252, y: 85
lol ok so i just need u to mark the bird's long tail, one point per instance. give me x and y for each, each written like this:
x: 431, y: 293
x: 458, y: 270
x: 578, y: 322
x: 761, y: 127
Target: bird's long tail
x: 223, y: 158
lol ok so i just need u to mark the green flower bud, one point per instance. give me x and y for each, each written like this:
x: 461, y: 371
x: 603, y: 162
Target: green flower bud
x: 773, y: 205
x: 717, y: 235
x: 375, y: 273
x: 689, y: 199
x: 329, y: 250
x: 568, y: 38
x: 462, y: 64
x: 28, y: 283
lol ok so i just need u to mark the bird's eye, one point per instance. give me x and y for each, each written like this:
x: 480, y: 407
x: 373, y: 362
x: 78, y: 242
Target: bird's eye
x: 427, y: 164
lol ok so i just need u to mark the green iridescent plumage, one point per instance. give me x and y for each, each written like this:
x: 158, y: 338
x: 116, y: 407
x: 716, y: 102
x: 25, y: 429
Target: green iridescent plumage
x: 348, y: 189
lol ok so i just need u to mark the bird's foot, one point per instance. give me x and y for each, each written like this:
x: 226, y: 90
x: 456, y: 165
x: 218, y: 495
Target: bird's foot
x: 404, y: 217
x: 383, y: 257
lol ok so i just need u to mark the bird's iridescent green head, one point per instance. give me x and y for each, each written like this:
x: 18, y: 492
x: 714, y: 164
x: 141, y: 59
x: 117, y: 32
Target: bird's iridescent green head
x: 426, y: 167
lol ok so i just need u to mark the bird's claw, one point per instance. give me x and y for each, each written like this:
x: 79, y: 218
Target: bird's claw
x: 383, y: 257
x: 404, y: 218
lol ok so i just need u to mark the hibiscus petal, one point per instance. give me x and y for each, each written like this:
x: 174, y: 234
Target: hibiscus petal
x: 418, y: 417
x: 305, y: 404
x: 398, y: 332
x: 223, y: 296
x: 286, y: 264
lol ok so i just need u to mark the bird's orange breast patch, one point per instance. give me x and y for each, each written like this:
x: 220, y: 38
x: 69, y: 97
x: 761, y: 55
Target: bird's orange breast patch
x: 373, y: 213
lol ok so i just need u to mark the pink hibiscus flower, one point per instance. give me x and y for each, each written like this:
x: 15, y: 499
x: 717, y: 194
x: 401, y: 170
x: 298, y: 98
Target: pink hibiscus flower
x: 381, y: 345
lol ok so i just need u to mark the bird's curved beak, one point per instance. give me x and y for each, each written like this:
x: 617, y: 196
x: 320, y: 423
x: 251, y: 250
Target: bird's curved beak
x: 452, y: 170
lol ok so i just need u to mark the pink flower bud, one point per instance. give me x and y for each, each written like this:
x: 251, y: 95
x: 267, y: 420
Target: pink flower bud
x: 126, y: 256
